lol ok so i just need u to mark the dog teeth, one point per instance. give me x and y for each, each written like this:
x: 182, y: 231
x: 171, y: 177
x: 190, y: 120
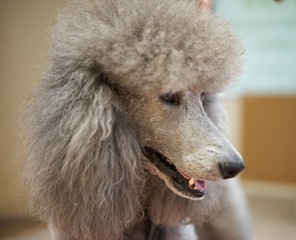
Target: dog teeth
x: 196, y: 184
x: 191, y: 181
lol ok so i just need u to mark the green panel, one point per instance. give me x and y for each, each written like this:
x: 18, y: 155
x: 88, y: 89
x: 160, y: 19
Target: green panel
x: 268, y: 30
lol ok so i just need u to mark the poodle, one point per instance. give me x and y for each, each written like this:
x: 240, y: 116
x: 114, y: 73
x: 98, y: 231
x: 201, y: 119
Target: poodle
x: 126, y: 135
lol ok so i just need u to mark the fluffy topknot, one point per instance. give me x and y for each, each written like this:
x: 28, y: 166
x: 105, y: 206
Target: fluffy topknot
x: 146, y: 45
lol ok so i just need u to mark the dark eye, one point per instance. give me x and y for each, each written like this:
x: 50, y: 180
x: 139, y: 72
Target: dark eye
x: 170, y: 99
x: 203, y: 96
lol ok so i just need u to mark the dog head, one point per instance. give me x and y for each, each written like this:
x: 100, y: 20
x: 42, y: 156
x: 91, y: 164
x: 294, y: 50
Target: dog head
x: 167, y: 77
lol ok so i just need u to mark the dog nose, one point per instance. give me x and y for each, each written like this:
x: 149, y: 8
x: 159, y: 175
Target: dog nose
x: 231, y: 169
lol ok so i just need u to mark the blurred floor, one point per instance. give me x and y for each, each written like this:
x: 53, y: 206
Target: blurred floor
x: 272, y: 219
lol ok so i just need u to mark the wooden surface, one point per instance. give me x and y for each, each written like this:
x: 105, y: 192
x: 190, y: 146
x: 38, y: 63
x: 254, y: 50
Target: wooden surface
x: 269, y: 138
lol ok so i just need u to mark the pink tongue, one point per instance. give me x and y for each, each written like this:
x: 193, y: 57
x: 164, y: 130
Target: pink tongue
x: 200, y: 185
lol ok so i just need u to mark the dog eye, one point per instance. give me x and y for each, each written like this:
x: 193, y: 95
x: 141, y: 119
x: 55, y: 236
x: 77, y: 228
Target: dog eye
x: 204, y: 96
x: 170, y: 99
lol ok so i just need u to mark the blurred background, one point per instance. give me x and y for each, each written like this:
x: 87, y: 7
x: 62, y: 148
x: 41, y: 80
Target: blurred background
x: 261, y: 108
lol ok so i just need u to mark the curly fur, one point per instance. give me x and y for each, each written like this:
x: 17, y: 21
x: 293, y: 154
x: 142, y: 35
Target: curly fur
x: 85, y: 172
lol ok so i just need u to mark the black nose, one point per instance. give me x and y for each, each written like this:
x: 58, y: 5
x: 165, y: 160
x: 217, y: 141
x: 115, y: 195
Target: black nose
x: 231, y: 169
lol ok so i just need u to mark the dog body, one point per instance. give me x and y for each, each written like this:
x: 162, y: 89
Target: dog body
x: 126, y: 131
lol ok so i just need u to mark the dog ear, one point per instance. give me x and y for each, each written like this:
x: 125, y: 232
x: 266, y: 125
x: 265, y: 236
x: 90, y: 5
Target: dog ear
x: 83, y: 171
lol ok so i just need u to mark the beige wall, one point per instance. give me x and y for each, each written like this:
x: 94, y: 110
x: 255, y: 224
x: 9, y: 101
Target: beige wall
x: 24, y: 27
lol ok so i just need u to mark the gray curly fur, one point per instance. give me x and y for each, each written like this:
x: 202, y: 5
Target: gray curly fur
x: 85, y: 172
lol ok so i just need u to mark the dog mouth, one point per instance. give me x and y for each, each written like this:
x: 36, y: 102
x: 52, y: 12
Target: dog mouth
x: 182, y: 183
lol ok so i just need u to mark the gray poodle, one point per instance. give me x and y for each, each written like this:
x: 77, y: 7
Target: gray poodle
x: 125, y: 133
